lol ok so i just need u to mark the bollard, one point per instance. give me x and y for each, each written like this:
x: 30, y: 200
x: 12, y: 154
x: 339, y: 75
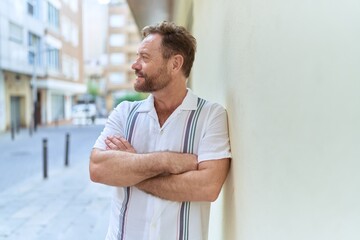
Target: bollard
x: 30, y: 130
x: 17, y: 127
x: 12, y: 131
x: 67, y: 140
x: 45, y: 157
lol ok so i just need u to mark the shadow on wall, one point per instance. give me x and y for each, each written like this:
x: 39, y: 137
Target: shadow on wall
x: 229, y: 194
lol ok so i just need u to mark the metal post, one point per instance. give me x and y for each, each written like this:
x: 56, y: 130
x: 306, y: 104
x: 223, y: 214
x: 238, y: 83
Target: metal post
x: 30, y: 129
x: 67, y: 140
x: 12, y: 127
x: 45, y: 155
x: 35, y: 114
x: 34, y: 88
x: 17, y: 127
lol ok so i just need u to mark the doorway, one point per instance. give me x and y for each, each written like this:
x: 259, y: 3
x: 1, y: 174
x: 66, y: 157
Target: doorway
x: 15, y: 119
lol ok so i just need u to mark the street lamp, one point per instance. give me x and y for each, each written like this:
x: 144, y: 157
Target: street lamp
x: 33, y: 124
x: 36, y: 60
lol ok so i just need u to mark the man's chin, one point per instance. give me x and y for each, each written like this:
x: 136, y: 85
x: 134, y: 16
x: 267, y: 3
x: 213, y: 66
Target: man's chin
x: 140, y: 88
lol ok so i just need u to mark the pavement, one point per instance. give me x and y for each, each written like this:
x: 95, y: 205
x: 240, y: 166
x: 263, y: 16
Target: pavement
x: 65, y: 205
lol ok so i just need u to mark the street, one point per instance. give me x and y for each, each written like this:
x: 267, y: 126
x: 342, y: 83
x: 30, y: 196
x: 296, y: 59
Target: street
x: 23, y: 157
x: 66, y: 205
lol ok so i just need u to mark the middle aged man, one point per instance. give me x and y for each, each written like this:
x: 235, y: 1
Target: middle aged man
x: 168, y: 155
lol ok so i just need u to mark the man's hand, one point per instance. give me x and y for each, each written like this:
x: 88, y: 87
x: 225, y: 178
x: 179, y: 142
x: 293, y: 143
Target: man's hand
x: 203, y: 184
x: 122, y: 167
x: 118, y: 143
x: 181, y: 162
x: 177, y: 162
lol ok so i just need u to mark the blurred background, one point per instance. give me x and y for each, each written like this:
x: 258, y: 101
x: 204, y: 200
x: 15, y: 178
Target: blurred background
x: 64, y: 65
x: 62, y: 61
x: 286, y: 71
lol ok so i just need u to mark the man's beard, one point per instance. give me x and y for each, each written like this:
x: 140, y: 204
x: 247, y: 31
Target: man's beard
x: 153, y: 83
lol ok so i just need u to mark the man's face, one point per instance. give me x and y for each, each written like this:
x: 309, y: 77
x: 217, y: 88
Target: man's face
x: 150, y: 67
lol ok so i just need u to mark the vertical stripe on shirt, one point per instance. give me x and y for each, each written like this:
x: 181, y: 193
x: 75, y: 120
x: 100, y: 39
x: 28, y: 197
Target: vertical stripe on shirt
x: 129, y: 130
x: 188, y: 147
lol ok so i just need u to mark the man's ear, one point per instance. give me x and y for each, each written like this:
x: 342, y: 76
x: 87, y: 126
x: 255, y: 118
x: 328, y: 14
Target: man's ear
x: 177, y: 62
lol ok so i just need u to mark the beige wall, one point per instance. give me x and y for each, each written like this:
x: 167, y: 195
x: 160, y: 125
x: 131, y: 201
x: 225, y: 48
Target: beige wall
x: 288, y: 73
x: 68, y: 48
x: 17, y: 85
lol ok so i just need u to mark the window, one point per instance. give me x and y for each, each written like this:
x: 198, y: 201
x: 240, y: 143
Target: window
x: 74, y: 5
x: 117, y: 78
x: 117, y: 40
x: 31, y: 57
x: 117, y: 58
x: 52, y: 58
x: 34, y: 49
x: 74, y: 35
x: 75, y: 70
x: 53, y: 16
x: 66, y: 28
x: 69, y: 31
x: 117, y: 2
x: 66, y: 66
x: 117, y: 20
x: 70, y: 67
x: 16, y: 33
x: 32, y: 8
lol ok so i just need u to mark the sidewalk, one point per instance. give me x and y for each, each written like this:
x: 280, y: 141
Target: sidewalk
x: 67, y: 205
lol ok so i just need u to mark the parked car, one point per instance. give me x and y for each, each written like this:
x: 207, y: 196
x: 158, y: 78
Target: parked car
x: 83, y: 114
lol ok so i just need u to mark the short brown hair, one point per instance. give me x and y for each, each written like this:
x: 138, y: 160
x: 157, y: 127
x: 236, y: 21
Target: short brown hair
x: 176, y: 40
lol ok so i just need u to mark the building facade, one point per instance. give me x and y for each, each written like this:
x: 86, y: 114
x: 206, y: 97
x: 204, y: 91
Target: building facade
x: 121, y: 45
x: 40, y: 61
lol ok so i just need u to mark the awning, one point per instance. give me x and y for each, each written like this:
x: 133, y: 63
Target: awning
x: 148, y: 12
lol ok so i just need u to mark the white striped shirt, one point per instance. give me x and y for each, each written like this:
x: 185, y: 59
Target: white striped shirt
x: 196, y: 126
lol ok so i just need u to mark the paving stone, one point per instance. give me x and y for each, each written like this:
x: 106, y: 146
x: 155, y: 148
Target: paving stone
x: 67, y: 205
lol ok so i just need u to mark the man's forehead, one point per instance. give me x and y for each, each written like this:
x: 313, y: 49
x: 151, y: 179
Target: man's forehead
x: 153, y: 37
x: 151, y: 42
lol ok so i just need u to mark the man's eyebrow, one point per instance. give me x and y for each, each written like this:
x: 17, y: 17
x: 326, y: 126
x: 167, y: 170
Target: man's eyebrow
x: 143, y: 54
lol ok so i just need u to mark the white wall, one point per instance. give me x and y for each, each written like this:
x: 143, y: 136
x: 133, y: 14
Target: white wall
x: 288, y: 73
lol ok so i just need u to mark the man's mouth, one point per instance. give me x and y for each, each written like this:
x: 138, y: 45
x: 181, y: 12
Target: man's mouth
x: 139, y: 75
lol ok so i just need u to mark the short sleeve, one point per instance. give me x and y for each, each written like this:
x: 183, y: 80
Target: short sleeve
x: 215, y: 143
x: 115, y: 124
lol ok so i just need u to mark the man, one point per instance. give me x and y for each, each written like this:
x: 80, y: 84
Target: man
x: 168, y: 155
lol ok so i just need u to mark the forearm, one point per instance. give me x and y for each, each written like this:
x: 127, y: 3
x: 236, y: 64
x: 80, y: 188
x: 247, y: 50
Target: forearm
x: 203, y: 184
x: 176, y: 187
x: 119, y: 168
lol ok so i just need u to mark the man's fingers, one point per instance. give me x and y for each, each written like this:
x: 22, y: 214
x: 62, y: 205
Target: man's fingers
x: 127, y: 145
x: 116, y: 141
x: 111, y: 145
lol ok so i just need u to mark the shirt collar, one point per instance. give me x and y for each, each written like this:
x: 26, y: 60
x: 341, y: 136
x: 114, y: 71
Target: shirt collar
x: 189, y: 103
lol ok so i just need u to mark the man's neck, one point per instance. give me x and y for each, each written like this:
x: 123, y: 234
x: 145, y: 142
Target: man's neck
x: 165, y: 103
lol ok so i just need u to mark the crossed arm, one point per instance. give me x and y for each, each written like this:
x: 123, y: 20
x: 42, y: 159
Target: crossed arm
x: 168, y: 175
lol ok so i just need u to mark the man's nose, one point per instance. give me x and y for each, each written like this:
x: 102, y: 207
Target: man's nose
x: 136, y: 65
